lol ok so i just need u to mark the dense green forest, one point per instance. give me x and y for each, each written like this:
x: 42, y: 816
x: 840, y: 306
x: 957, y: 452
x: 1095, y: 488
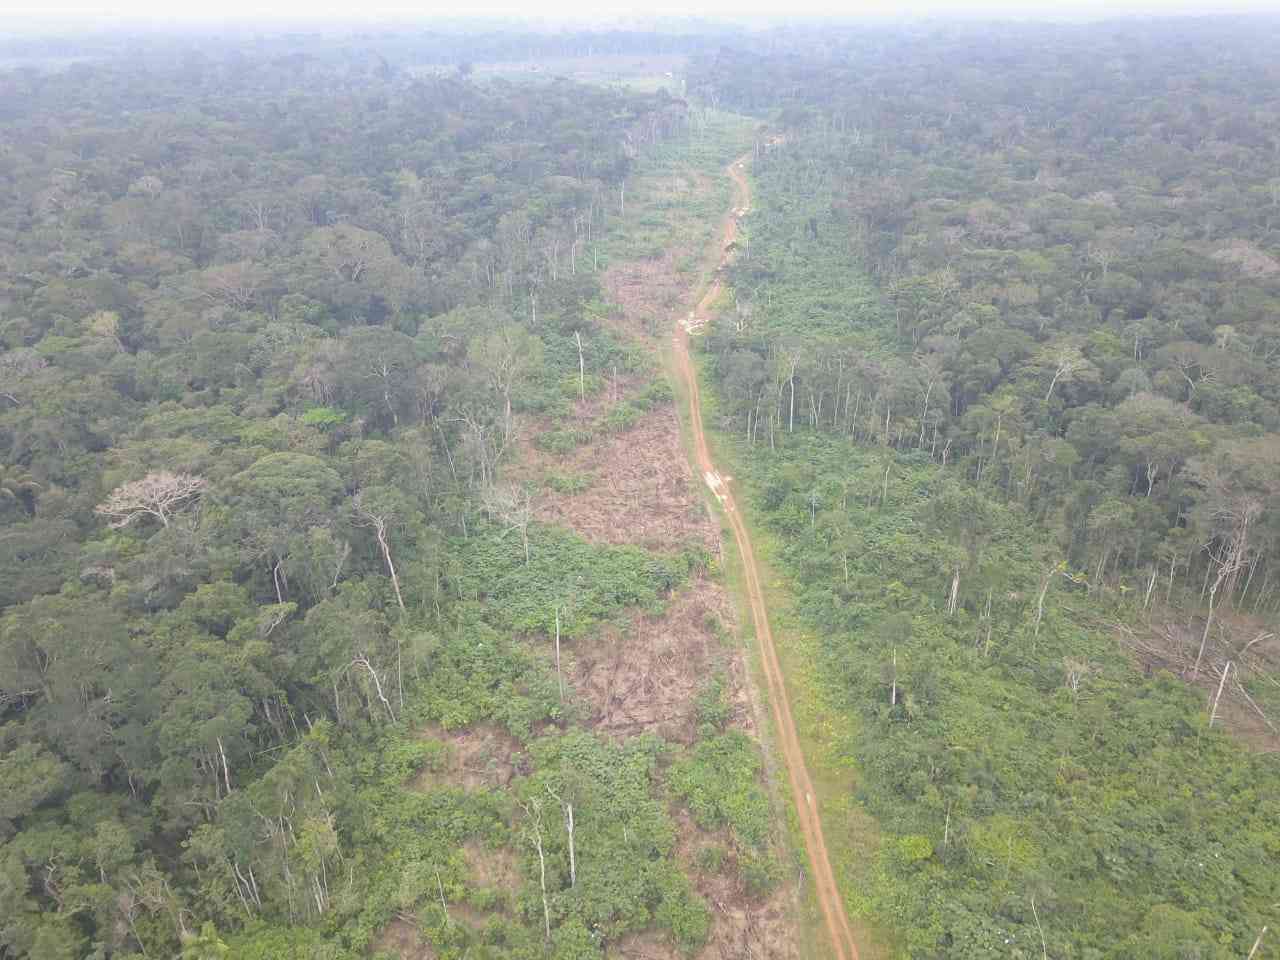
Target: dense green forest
x: 271, y: 333
x: 357, y: 599
x: 999, y: 370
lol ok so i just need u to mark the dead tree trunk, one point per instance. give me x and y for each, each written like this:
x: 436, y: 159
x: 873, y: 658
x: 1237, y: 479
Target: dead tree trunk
x: 567, y: 807
x: 377, y: 684
x: 1204, y: 637
x: 582, y: 368
x: 380, y: 528
x: 1044, y: 589
x: 1213, y: 714
x: 559, y: 674
x: 533, y: 813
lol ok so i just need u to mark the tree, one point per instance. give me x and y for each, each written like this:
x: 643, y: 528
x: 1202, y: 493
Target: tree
x: 514, y: 507
x: 268, y: 509
x: 507, y: 356
x: 17, y: 486
x: 376, y: 371
x: 205, y: 945
x: 17, y: 367
x: 31, y: 776
x: 531, y: 828
x: 1065, y: 362
x: 157, y: 495
x: 1238, y: 488
x: 381, y: 509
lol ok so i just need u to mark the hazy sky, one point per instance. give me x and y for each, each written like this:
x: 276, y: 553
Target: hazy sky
x: 159, y: 12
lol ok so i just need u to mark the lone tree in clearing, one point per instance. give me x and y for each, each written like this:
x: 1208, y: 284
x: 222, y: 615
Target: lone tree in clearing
x: 159, y: 495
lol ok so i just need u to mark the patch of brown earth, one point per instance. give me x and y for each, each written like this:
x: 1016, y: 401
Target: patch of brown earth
x: 744, y: 928
x: 647, y: 294
x: 1248, y: 258
x: 400, y: 938
x: 477, y: 758
x: 615, y: 385
x: 468, y: 916
x: 641, y: 492
x: 1238, y: 651
x: 645, y: 677
x: 493, y: 868
x: 741, y: 925
x: 650, y: 292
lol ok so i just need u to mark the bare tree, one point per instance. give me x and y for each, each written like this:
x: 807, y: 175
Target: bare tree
x: 1256, y: 944
x: 507, y: 356
x: 17, y: 365
x: 1238, y: 484
x: 932, y: 373
x: 582, y: 368
x: 159, y: 495
x: 1074, y: 672
x: 1222, y: 682
x: 1067, y: 361
x: 559, y: 674
x: 234, y: 285
x: 533, y: 833
x: 1103, y: 256
x: 567, y: 807
x: 1046, y: 578
x: 513, y: 506
x: 743, y: 310
x: 379, y: 514
x: 363, y: 661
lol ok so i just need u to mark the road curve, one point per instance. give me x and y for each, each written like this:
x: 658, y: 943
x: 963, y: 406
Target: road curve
x: 843, y: 946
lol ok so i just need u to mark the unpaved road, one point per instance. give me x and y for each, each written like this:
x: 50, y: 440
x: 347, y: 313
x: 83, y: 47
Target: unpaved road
x: 843, y: 947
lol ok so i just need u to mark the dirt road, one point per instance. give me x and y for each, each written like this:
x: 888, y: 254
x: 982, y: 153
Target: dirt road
x: 843, y: 947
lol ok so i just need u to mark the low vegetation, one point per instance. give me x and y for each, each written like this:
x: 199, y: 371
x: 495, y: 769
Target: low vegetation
x: 1000, y: 398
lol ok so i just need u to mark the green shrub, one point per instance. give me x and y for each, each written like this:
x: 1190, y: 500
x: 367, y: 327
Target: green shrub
x: 711, y: 858
x: 655, y: 394
x: 913, y: 849
x: 324, y: 418
x: 568, y: 482
x: 717, y: 779
x: 760, y: 872
x: 683, y: 913
x: 562, y: 441
x: 621, y: 417
x: 711, y: 707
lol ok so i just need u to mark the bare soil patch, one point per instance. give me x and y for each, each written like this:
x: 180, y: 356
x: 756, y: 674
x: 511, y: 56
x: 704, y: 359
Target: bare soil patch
x: 641, y: 489
x: 1241, y: 647
x: 740, y: 930
x: 478, y: 758
x: 400, y: 938
x: 652, y: 292
x: 1248, y: 258
x: 644, y: 677
x: 647, y: 293
x: 617, y: 385
x: 742, y: 925
x: 493, y: 868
